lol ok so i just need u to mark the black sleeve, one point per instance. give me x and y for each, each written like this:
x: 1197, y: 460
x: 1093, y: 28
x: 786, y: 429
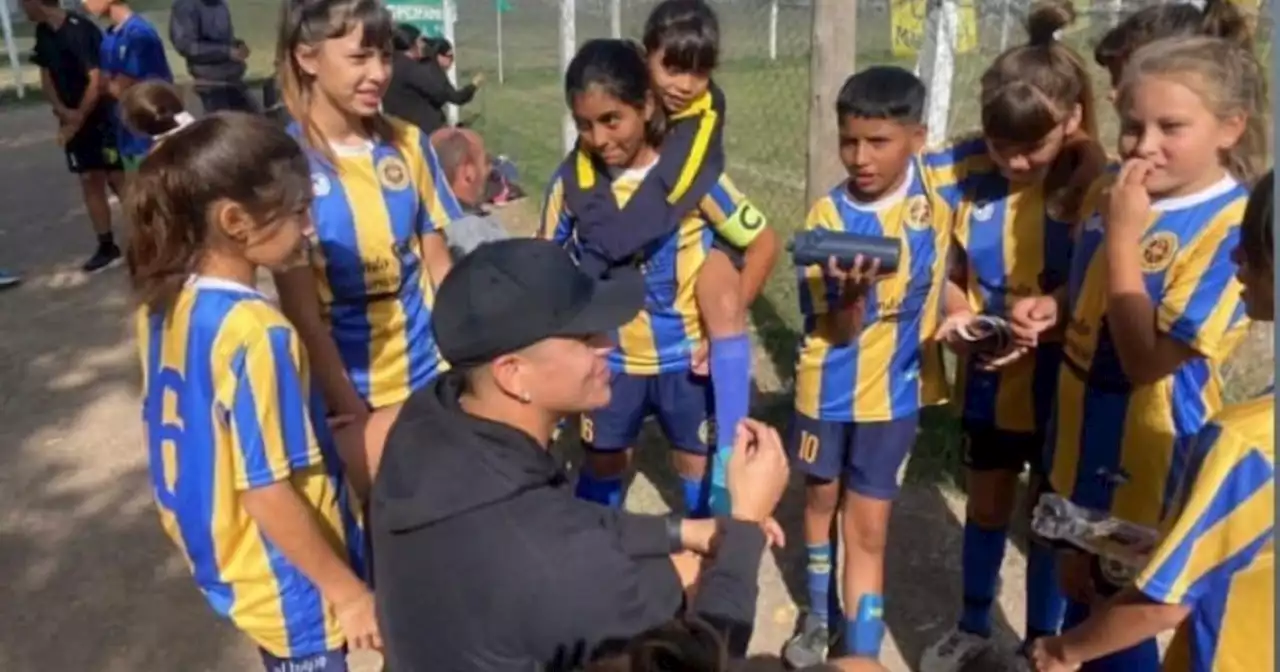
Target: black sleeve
x: 87, y: 45
x: 433, y: 83
x: 649, y: 215
x: 728, y: 588
x: 600, y: 595
x: 40, y: 52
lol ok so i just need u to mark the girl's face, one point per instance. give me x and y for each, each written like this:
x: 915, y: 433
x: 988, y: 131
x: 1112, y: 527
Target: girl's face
x: 567, y: 375
x: 350, y: 75
x: 1167, y: 124
x: 98, y: 8
x: 1258, y: 279
x: 275, y: 245
x: 678, y: 89
x: 1026, y: 163
x: 610, y: 128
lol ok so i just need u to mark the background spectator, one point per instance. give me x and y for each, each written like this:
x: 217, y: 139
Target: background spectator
x: 420, y: 86
x: 465, y: 163
x: 201, y: 31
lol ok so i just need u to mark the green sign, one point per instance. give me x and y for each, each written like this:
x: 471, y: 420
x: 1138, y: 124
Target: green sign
x: 425, y: 15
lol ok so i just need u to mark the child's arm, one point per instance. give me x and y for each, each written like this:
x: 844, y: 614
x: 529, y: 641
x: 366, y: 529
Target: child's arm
x: 439, y: 207
x: 558, y: 224
x: 299, y: 301
x: 1125, y: 621
x: 1200, y: 313
x: 690, y: 165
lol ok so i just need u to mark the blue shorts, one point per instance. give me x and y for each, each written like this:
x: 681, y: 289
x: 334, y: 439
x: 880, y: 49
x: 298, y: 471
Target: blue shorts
x: 869, y: 454
x: 987, y: 448
x: 328, y: 661
x: 680, y: 400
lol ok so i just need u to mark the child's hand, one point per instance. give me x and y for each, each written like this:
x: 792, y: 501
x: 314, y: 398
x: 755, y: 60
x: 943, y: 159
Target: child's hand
x: 854, y: 283
x: 1128, y: 202
x: 358, y: 619
x: 948, y: 332
x: 1031, y: 317
x: 699, y: 364
x: 1047, y: 655
x: 999, y: 360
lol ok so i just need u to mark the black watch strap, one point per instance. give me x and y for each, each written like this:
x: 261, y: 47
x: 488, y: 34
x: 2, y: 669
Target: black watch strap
x: 675, y: 535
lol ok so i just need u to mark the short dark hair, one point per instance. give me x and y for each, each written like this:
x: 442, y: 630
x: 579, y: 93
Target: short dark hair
x: 405, y: 36
x: 882, y: 92
x: 1256, y: 235
x: 439, y: 46
x: 688, y: 34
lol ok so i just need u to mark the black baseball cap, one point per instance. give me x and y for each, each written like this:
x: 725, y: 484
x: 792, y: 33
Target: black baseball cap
x: 510, y: 294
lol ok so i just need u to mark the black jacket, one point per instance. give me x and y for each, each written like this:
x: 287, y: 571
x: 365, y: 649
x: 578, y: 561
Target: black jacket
x: 484, y: 560
x: 419, y: 91
x: 201, y: 31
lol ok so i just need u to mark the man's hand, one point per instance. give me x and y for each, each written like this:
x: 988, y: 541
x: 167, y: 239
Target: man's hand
x: 358, y: 619
x: 758, y: 472
x: 1049, y: 655
x: 477, y: 79
x: 240, y: 52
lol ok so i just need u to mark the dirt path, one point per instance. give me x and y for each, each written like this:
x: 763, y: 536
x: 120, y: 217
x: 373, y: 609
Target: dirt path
x: 91, y: 582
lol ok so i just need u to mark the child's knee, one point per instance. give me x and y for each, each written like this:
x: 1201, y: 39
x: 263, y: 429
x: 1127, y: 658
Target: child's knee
x: 866, y: 525
x: 822, y: 498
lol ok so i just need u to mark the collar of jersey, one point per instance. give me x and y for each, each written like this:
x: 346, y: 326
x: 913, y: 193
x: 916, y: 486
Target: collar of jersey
x: 1227, y: 183
x: 888, y: 200
x: 635, y: 173
x: 221, y: 284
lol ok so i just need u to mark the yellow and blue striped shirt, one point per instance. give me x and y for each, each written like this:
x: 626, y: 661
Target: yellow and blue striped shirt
x: 663, y: 336
x: 1116, y: 446
x: 372, y: 206
x: 892, y: 368
x: 228, y: 407
x: 1217, y: 554
x: 1013, y: 249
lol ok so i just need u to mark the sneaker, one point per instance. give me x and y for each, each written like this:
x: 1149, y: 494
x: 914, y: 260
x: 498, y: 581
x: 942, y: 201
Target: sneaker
x: 809, y: 646
x: 108, y: 255
x: 8, y: 280
x: 950, y: 653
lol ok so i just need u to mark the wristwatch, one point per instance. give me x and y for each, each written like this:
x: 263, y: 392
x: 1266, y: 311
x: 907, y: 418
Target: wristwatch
x: 675, y: 533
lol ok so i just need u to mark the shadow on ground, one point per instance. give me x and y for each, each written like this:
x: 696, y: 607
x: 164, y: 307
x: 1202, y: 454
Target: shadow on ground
x: 90, y: 580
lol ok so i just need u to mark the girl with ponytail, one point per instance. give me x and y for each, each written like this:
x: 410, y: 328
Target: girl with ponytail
x: 246, y: 477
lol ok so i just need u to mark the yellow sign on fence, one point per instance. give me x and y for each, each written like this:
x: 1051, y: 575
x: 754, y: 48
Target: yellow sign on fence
x: 908, y: 22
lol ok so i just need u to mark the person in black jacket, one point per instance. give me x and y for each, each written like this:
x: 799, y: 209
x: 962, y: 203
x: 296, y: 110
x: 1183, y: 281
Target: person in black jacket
x: 202, y: 32
x: 420, y: 86
x: 483, y: 558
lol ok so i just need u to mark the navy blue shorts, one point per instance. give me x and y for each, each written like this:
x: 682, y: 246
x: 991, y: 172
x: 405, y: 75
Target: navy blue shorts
x: 868, y: 454
x: 680, y: 400
x: 987, y: 448
x: 329, y: 661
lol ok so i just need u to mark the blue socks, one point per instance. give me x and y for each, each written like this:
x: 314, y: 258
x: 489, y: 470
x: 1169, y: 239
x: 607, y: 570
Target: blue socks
x: 696, y: 495
x: 1045, y: 602
x: 603, y: 491
x: 824, y: 597
x: 980, y: 568
x: 865, y: 631
x: 730, y: 360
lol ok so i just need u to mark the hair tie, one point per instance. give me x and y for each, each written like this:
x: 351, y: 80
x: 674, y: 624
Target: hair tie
x: 182, y: 120
x: 1057, y: 35
x: 1198, y: 4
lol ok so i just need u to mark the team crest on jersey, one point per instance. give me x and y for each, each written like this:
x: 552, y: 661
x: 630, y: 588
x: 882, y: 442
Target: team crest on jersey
x: 918, y: 212
x: 320, y: 185
x: 392, y: 173
x: 984, y: 211
x: 1158, y: 250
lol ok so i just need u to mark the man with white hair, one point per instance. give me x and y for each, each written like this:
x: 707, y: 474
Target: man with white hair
x: 466, y: 165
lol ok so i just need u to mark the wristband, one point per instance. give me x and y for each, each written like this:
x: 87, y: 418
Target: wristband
x: 675, y: 533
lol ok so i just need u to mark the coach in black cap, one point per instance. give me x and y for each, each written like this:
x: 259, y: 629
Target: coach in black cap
x: 483, y: 558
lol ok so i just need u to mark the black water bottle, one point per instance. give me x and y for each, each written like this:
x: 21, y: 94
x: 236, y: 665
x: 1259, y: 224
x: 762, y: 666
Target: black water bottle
x: 816, y: 246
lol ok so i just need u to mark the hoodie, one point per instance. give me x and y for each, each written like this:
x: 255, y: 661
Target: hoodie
x: 201, y: 31
x: 484, y: 560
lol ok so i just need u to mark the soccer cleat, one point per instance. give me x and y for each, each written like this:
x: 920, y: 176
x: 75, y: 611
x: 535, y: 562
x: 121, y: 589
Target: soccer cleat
x: 8, y: 280
x: 952, y: 651
x: 809, y: 646
x: 107, y: 255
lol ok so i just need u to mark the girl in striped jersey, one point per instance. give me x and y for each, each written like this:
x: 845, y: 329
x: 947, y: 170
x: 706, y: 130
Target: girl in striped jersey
x: 245, y: 474
x: 1152, y: 305
x: 362, y: 301
x: 1212, y: 575
x: 1012, y: 240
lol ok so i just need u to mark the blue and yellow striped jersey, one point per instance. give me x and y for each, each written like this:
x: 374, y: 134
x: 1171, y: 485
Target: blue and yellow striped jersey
x: 1013, y: 249
x: 892, y: 367
x: 1115, y: 446
x: 663, y: 336
x: 228, y: 407
x: 950, y: 168
x: 372, y: 207
x: 1217, y: 553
